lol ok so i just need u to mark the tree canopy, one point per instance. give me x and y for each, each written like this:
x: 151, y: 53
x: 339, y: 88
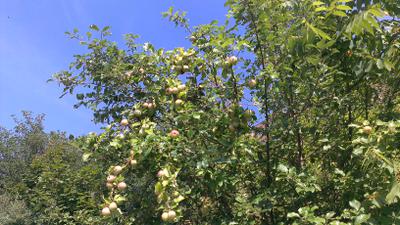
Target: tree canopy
x: 285, y: 113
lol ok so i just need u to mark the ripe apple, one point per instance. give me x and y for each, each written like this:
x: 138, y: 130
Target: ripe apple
x: 181, y: 87
x: 124, y: 122
x: 171, y: 215
x: 111, y: 178
x: 113, y: 206
x: 105, y: 211
x: 109, y: 185
x: 233, y: 60
x: 178, y: 102
x: 252, y: 83
x: 165, y: 216
x: 117, y: 170
x: 185, y: 67
x: 367, y: 129
x: 146, y: 105
x: 174, y: 90
x: 151, y: 105
x: 121, y: 186
x: 141, y: 70
x: 162, y: 173
x: 174, y: 133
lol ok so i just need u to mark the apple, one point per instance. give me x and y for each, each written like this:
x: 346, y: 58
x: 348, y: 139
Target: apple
x: 174, y: 90
x: 151, y: 105
x: 121, y: 186
x: 137, y: 113
x: 174, y: 133
x: 181, y: 87
x: 192, y: 38
x: 252, y: 83
x: 162, y: 173
x: 146, y: 105
x: 113, y: 206
x: 185, y: 67
x: 141, y: 70
x: 133, y: 162
x: 178, y: 102
x: 109, y: 185
x: 165, y: 216
x: 248, y: 113
x: 171, y: 215
x: 367, y: 129
x: 128, y: 74
x: 117, y: 170
x: 105, y: 211
x: 169, y: 91
x: 124, y: 122
x: 233, y: 60
x: 111, y: 178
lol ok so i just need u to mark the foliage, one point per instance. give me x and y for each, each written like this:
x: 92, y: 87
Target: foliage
x: 14, y: 211
x: 288, y: 115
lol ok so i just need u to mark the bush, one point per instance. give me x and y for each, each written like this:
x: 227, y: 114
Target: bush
x: 13, y: 211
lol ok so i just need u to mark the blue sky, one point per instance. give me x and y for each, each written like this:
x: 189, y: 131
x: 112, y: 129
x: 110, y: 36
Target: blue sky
x: 33, y: 46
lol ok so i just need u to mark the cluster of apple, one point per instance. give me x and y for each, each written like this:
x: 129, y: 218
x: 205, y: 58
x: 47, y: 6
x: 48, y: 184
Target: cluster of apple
x: 391, y: 128
x: 182, y: 60
x: 129, y: 73
x: 114, y: 185
x: 137, y: 113
x: 239, y: 117
x: 165, y: 178
x: 149, y: 105
x: 175, y: 90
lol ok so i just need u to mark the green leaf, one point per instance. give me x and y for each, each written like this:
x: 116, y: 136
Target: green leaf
x: 322, y: 8
x: 388, y: 65
x: 317, y: 3
x: 85, y: 156
x: 158, y: 187
x: 361, y: 219
x: 94, y: 27
x: 179, y: 199
x: 319, y: 32
x: 343, y: 7
x: 119, y: 198
x: 394, y: 192
x: 339, y: 13
x: 293, y: 215
x: 355, y: 204
x: 379, y: 64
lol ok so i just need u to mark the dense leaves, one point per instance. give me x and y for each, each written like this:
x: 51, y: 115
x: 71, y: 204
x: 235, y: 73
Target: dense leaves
x: 288, y: 113
x: 322, y: 77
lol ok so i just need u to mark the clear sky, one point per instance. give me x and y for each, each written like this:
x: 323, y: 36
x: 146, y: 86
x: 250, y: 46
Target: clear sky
x: 33, y: 46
